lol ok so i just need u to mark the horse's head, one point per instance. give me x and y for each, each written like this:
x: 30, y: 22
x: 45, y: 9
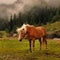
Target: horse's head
x: 21, y: 32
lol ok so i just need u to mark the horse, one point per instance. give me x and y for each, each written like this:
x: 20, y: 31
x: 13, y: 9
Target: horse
x: 32, y: 33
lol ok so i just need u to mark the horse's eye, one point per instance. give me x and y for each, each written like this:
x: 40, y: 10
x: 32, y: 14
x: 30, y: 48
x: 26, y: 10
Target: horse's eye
x: 23, y: 29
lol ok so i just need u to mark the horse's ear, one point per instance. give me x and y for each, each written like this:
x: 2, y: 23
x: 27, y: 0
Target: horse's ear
x: 24, y: 24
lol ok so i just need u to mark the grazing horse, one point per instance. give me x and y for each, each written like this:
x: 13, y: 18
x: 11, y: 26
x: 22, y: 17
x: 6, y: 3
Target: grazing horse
x: 32, y: 33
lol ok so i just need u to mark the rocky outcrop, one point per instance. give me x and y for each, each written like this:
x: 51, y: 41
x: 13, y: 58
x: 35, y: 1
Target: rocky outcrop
x: 55, y: 34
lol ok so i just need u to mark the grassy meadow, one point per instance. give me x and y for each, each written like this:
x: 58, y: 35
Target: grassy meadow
x: 12, y: 49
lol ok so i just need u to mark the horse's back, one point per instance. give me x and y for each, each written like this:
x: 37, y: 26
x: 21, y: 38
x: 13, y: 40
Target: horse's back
x: 32, y: 31
x: 36, y: 32
x: 42, y: 30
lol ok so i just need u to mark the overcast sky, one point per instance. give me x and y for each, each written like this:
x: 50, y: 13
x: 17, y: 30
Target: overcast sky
x: 7, y: 1
x: 10, y: 1
x: 23, y: 6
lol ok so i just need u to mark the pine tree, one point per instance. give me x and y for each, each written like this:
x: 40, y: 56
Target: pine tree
x: 11, y: 24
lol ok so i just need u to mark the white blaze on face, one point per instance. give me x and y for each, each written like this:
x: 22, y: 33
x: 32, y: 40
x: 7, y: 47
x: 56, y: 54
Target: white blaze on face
x: 24, y: 27
x: 19, y: 36
x: 19, y: 31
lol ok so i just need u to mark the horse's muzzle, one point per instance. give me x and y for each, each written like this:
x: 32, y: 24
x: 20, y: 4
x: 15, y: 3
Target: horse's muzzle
x: 20, y: 40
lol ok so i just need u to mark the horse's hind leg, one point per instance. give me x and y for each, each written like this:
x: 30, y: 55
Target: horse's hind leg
x: 45, y: 41
x: 30, y: 45
x: 40, y: 41
x: 33, y: 44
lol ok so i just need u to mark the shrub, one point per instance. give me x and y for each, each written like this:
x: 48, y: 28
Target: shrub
x: 3, y: 34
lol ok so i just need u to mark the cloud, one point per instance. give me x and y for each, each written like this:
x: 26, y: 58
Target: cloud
x: 54, y: 3
x: 19, y: 6
x: 24, y: 6
x: 7, y: 1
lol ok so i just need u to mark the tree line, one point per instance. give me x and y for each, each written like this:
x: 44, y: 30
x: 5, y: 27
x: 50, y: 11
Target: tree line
x: 36, y: 16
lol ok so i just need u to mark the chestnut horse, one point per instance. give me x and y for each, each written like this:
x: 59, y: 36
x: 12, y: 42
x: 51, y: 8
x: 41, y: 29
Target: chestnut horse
x: 32, y: 33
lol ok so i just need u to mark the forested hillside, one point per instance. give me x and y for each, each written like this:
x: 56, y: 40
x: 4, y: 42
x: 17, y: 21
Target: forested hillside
x: 36, y: 16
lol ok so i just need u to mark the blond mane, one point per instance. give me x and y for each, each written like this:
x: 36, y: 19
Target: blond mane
x: 21, y: 28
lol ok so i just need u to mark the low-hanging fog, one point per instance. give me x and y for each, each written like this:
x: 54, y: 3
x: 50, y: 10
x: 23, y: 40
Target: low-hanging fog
x: 7, y: 9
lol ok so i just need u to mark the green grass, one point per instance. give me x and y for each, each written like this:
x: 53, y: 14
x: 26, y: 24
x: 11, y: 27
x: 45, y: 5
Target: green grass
x: 14, y: 50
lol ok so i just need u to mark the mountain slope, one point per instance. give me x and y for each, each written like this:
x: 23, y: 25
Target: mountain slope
x: 53, y: 27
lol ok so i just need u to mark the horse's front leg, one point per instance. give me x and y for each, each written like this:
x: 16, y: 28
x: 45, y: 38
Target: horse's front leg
x: 31, y: 42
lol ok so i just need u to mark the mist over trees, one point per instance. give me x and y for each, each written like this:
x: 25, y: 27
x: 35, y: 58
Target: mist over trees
x: 36, y: 16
